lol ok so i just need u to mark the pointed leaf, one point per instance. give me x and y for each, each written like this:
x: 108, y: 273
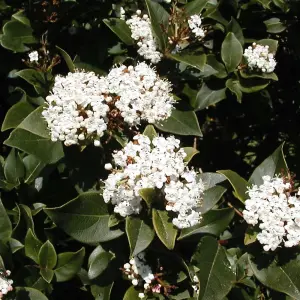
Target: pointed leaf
x: 47, y: 256
x: 182, y: 123
x: 215, y: 275
x: 196, y: 61
x: 68, y: 265
x: 211, y: 197
x: 27, y: 293
x: 150, y: 132
x: 5, y: 224
x: 85, y: 218
x: 32, y: 246
x: 234, y: 27
x: 14, y: 169
x: 195, y: 7
x: 67, y: 59
x: 190, y: 153
x: 238, y: 183
x: 33, y: 167
x: 235, y: 87
x: 148, y: 195
x: 139, y: 235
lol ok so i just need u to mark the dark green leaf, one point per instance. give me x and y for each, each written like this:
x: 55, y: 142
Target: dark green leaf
x: 216, y: 65
x: 68, y: 265
x: 250, y: 235
x: 98, y: 262
x: 16, y: 114
x: 252, y: 74
x: 148, y: 195
x: 85, y: 218
x: 211, y: 179
x: 67, y: 59
x: 150, y: 132
x: 27, y: 293
x: 159, y: 17
x: 238, y: 183
x: 182, y: 123
x: 235, y: 87
x: 47, y: 256
x: 33, y: 167
x: 216, y: 276
x: 101, y: 292
x: 213, y: 222
x: 274, y: 25
x: 139, y: 235
x: 207, y: 97
x: 195, y: 7
x: 234, y: 27
x: 120, y: 28
x: 14, y: 170
x: 47, y: 274
x: 197, y: 61
x: 231, y: 52
x: 32, y: 246
x: 273, y: 44
x: 164, y: 228
x: 132, y: 294
x: 5, y: 224
x: 15, y: 245
x: 280, y: 277
x: 273, y: 165
x: 190, y: 153
x: 211, y: 197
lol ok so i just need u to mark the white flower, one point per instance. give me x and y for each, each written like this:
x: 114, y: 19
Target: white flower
x: 5, y: 283
x: 195, y: 22
x: 275, y: 211
x: 76, y: 108
x: 259, y: 58
x: 142, y: 94
x: 141, y: 295
x: 157, y: 164
x: 141, y: 31
x: 108, y: 167
x: 33, y: 56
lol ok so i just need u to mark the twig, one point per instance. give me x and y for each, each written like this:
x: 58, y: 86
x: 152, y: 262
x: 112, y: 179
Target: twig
x: 236, y: 210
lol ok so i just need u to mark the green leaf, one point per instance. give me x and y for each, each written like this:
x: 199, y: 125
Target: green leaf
x: 35, y: 78
x: 273, y: 44
x: 32, y: 137
x: 47, y: 256
x: 282, y: 4
x: 195, y: 7
x: 101, y: 292
x: 211, y: 197
x: 274, y: 25
x: 68, y: 265
x: 121, y: 29
x: 32, y: 246
x: 182, y: 123
x: 250, y: 235
x: 67, y: 59
x: 197, y: 61
x: 5, y: 224
x: 85, y: 218
x: 211, y: 179
x: 15, y: 35
x: 216, y: 65
x: 98, y: 262
x: 190, y: 153
x: 213, y: 222
x: 252, y: 85
x: 16, y: 114
x: 148, y: 195
x: 139, y: 235
x: 15, y: 245
x: 283, y: 277
x: 235, y: 87
x: 13, y: 168
x: 164, y: 229
x: 207, y: 97
x: 150, y: 132
x: 47, y: 274
x: 131, y: 294
x: 231, y: 52
x: 33, y: 167
x: 159, y: 17
x: 215, y: 275
x: 252, y: 74
x: 24, y: 222
x: 234, y: 27
x: 27, y: 293
x: 238, y: 183
x: 273, y: 165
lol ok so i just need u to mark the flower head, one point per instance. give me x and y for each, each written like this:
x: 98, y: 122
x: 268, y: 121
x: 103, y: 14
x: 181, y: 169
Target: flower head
x: 195, y: 22
x: 33, y: 56
x: 5, y: 283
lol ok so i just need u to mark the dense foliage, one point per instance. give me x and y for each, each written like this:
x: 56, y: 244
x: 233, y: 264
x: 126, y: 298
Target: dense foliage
x: 145, y: 149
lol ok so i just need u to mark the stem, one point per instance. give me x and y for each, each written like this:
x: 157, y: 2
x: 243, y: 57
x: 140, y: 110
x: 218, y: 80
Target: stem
x: 235, y: 209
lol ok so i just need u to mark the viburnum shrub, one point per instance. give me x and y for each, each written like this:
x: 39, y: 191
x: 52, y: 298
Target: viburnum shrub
x: 128, y: 128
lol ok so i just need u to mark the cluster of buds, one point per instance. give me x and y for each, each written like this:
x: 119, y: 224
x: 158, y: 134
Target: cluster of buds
x: 5, y: 283
x: 140, y: 274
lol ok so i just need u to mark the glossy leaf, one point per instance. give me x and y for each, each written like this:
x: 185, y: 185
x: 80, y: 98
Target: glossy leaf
x: 68, y: 265
x: 148, y: 195
x: 238, y: 183
x: 120, y: 28
x: 197, y: 61
x: 211, y: 197
x: 67, y: 59
x: 139, y: 235
x: 33, y: 167
x: 234, y: 27
x: 131, y: 294
x: 195, y: 7
x: 5, y: 224
x: 182, y: 123
x: 164, y: 228
x: 213, y: 222
x: 231, y: 52
x: 85, y: 218
x: 150, y: 132
x: 275, y: 164
x: 14, y: 170
x: 28, y: 293
x: 235, y: 87
x: 47, y: 256
x: 216, y: 275
x: 32, y: 246
x: 190, y: 153
x: 217, y: 66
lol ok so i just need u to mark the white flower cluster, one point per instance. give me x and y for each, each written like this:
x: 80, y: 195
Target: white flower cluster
x: 259, y: 59
x: 79, y: 105
x: 33, y: 56
x: 195, y: 284
x: 139, y: 273
x: 143, y: 95
x: 157, y: 164
x: 5, y: 284
x: 141, y: 31
x: 195, y: 22
x: 276, y: 211
x: 77, y: 108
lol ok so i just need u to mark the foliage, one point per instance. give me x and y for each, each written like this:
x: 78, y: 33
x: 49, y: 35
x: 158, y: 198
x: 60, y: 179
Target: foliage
x: 57, y: 234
